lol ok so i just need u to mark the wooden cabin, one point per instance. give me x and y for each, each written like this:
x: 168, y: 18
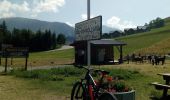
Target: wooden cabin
x: 102, y: 52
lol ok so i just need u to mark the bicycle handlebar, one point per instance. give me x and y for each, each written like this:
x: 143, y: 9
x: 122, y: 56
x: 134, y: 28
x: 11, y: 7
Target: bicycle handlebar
x: 95, y: 70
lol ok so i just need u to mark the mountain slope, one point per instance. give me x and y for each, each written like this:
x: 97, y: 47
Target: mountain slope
x: 141, y: 42
x: 34, y: 25
x: 106, y: 29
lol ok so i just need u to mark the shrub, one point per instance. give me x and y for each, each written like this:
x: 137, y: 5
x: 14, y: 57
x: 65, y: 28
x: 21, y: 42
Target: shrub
x: 54, y: 74
x: 124, y: 74
x: 112, y: 84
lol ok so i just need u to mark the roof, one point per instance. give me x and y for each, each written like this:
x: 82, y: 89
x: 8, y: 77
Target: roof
x: 142, y: 27
x: 100, y: 42
x: 107, y: 42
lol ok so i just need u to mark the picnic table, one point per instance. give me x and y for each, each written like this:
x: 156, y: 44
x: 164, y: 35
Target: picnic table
x: 164, y: 87
x: 166, y: 77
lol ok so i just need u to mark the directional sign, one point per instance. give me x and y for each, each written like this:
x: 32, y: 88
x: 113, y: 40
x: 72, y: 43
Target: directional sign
x: 16, y: 52
x: 89, y: 30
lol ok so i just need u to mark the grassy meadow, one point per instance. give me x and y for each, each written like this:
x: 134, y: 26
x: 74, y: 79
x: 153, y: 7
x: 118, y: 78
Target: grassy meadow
x: 56, y: 84
x: 149, y: 42
x: 45, y: 58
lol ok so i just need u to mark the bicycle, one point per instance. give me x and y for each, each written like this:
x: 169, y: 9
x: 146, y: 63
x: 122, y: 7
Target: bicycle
x: 86, y: 88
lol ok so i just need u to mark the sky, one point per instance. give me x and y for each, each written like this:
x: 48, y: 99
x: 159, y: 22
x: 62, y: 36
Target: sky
x: 115, y: 13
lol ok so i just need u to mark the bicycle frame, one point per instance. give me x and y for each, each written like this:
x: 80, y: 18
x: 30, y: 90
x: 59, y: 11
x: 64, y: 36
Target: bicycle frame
x: 90, y: 90
x: 91, y: 86
x: 90, y: 83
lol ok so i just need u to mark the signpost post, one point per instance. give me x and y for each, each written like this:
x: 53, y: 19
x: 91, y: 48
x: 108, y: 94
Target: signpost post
x: 88, y: 9
x: 88, y: 41
x: 91, y: 29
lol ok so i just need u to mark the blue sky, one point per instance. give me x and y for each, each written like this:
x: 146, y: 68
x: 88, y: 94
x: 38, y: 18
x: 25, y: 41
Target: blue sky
x: 116, y: 13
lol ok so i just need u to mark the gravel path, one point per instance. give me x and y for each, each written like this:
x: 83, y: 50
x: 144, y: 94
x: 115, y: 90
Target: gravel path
x: 64, y: 47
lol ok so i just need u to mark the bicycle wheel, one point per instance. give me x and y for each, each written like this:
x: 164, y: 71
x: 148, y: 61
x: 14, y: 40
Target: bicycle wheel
x: 78, y: 92
x: 107, y: 96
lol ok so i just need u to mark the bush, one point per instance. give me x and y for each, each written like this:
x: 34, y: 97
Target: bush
x: 124, y: 74
x: 119, y: 86
x: 54, y: 74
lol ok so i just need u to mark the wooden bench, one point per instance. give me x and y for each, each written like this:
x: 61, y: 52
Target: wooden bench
x: 163, y: 87
x: 159, y: 86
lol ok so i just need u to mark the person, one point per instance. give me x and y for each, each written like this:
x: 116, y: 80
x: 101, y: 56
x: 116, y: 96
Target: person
x: 163, y: 61
x: 128, y: 58
x: 153, y: 59
x: 149, y: 58
x: 156, y: 60
x: 133, y: 57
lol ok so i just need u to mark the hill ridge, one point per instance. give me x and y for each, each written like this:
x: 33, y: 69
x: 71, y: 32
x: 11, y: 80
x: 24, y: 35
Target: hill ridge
x: 140, y: 42
x: 35, y: 25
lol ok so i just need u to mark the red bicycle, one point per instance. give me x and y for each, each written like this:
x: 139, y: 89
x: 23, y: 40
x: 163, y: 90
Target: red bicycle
x: 86, y: 89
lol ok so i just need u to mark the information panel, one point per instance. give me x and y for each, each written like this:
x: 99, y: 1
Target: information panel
x: 16, y: 52
x: 89, y: 30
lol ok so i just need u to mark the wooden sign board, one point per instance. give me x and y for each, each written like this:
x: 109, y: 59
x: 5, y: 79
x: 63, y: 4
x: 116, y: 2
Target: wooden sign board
x: 89, y: 30
x: 16, y: 53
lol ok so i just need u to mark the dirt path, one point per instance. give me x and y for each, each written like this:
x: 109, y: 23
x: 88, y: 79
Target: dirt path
x: 64, y: 47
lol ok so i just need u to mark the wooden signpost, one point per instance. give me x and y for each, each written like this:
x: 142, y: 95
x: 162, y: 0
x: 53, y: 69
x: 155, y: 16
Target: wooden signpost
x: 0, y: 56
x: 13, y: 52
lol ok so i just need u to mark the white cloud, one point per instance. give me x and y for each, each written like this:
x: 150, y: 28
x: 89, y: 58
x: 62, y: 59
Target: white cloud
x: 22, y: 8
x: 120, y: 24
x: 8, y: 8
x: 5, y: 6
x: 6, y: 15
x: 68, y: 23
x: 84, y: 16
x: 47, y: 6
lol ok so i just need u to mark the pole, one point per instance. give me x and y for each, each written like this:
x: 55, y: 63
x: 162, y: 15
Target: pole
x: 88, y: 9
x: 88, y: 41
x: 6, y: 64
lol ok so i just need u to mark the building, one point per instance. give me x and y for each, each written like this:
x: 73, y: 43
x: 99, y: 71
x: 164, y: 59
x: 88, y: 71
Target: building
x: 102, y: 52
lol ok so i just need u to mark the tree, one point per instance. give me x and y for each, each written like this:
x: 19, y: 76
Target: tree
x: 106, y: 36
x: 5, y: 34
x: 129, y: 31
x: 61, y: 39
x: 157, y: 23
x: 54, y: 41
x: 4, y: 27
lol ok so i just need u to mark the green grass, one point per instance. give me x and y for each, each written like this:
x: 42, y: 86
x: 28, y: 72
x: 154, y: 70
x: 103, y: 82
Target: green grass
x: 54, y: 74
x: 66, y: 76
x: 58, y: 82
x: 46, y: 58
x: 66, y: 54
